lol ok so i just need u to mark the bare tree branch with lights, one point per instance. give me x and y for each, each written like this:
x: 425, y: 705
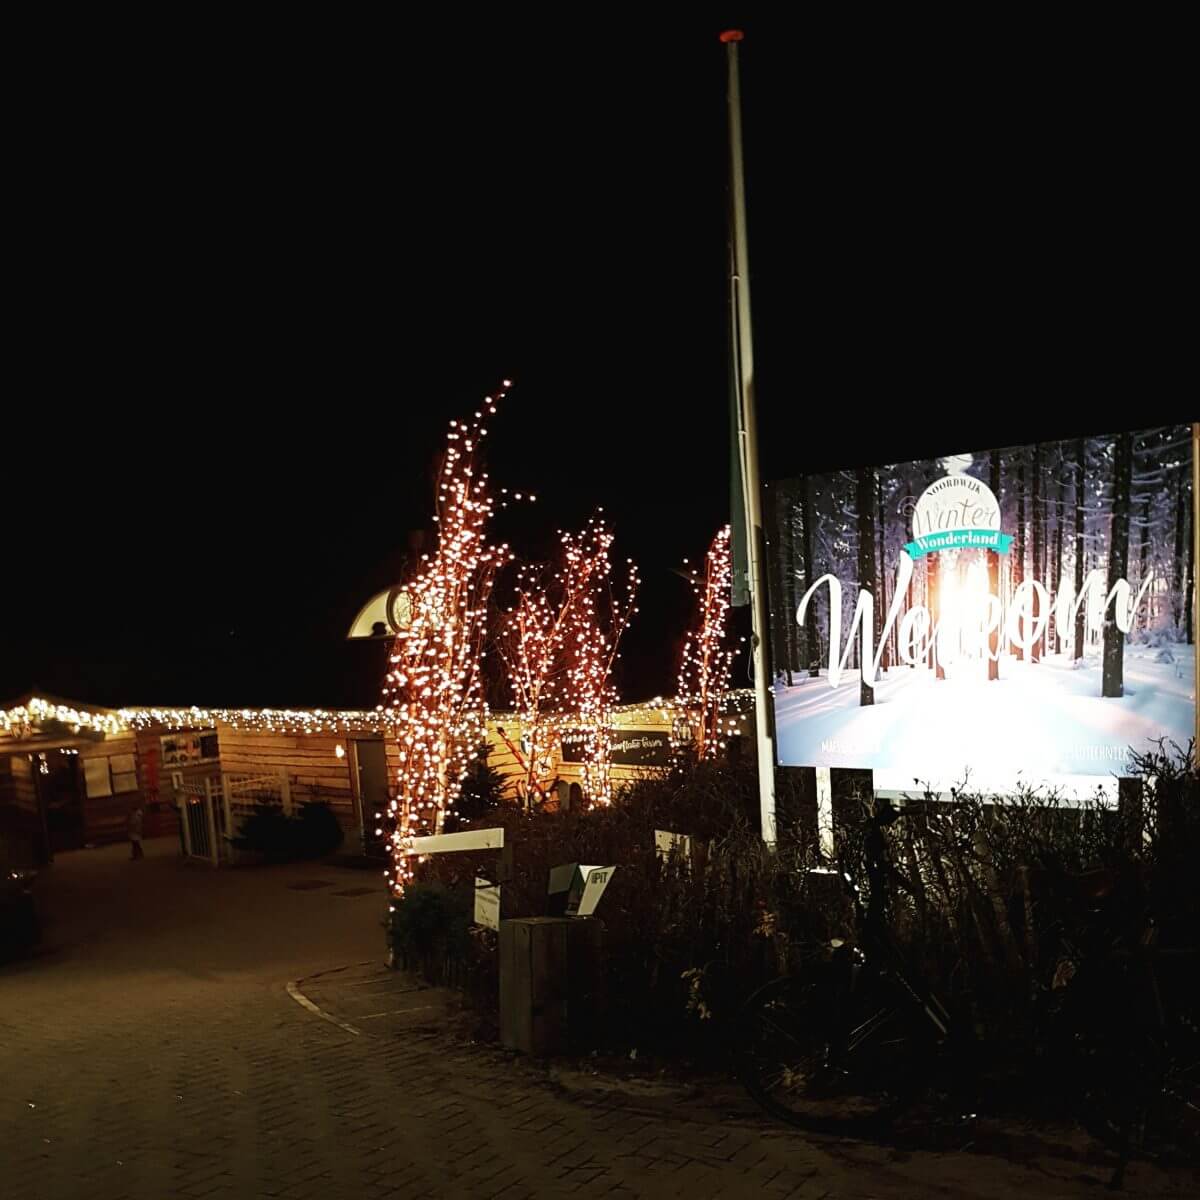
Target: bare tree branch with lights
x: 533, y: 644
x: 594, y: 632
x: 707, y: 654
x: 434, y: 691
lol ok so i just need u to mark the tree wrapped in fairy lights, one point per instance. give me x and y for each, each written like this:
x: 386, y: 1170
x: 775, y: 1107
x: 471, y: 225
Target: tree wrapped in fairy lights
x: 597, y: 622
x: 534, y: 645
x: 434, y: 690
x: 707, y: 655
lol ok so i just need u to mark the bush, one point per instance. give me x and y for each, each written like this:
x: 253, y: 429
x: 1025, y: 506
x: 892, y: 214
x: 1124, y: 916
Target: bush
x: 312, y: 832
x: 482, y: 794
x: 265, y: 831
x: 317, y: 830
x: 683, y: 942
x: 430, y: 932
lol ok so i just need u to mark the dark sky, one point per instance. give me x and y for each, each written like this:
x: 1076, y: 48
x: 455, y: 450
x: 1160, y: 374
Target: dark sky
x: 265, y: 271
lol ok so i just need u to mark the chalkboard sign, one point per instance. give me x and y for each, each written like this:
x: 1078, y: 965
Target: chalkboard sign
x: 629, y: 747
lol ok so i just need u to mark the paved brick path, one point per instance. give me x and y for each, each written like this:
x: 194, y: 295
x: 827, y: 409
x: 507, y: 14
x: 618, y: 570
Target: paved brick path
x: 155, y: 1052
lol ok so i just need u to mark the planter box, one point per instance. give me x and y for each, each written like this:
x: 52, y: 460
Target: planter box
x: 548, y: 974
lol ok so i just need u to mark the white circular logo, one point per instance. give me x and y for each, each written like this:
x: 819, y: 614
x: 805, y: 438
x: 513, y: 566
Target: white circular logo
x: 959, y: 505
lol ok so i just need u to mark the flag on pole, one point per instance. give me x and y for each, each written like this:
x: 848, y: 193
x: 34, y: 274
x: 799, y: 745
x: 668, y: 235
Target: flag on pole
x: 739, y: 559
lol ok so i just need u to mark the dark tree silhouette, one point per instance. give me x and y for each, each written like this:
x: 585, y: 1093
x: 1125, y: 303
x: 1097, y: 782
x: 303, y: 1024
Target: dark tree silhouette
x: 1037, y: 516
x: 811, y: 639
x: 865, y: 507
x: 994, y: 579
x: 1080, y: 473
x: 1113, y: 684
x: 1018, y: 567
x: 1056, y: 581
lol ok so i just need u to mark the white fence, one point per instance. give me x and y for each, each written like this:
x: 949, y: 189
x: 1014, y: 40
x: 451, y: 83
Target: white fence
x: 211, y: 810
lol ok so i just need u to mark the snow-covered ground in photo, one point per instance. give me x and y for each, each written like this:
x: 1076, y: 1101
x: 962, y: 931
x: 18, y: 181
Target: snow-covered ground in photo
x: 1040, y: 723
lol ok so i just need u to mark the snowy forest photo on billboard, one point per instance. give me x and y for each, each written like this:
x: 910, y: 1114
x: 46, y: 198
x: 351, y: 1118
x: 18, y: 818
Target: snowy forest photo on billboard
x: 1025, y: 612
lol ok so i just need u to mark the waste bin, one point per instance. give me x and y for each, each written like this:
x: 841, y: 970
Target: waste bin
x: 548, y: 981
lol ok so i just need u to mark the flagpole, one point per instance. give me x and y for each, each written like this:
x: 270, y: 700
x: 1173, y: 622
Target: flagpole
x: 747, y: 436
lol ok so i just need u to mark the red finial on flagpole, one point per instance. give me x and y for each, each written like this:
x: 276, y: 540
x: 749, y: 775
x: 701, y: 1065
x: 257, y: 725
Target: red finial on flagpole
x: 732, y: 35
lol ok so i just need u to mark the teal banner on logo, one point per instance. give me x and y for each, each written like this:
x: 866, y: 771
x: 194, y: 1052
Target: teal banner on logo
x: 960, y: 539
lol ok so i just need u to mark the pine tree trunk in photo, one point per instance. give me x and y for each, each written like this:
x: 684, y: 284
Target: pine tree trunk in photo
x: 993, y: 556
x: 931, y: 605
x: 802, y: 636
x: 934, y: 575
x: 1056, y: 582
x: 865, y: 507
x: 1177, y: 600
x: 1113, y: 684
x: 1146, y: 616
x: 774, y: 501
x: 1189, y: 601
x: 812, y: 627
x: 1037, y: 516
x: 908, y: 503
x: 787, y: 533
x: 1080, y: 473
x: 881, y: 601
x: 1019, y: 561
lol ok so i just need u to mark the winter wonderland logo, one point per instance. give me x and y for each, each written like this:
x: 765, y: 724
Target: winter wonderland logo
x: 958, y: 512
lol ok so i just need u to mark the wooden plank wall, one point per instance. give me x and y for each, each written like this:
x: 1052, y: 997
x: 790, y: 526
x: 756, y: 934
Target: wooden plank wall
x: 499, y: 755
x: 24, y: 789
x: 310, y: 761
x: 162, y: 813
x: 20, y: 821
x: 106, y: 818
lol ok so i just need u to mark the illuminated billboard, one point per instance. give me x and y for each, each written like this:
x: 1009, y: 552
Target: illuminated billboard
x: 1022, y: 612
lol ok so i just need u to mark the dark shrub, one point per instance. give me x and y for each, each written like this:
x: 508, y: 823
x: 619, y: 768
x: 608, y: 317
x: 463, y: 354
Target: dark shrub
x: 314, y: 831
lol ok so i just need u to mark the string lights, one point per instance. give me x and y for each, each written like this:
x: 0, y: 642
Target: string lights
x: 707, y: 659
x: 20, y: 720
x: 260, y: 720
x: 595, y: 626
x: 537, y: 639
x: 434, y: 694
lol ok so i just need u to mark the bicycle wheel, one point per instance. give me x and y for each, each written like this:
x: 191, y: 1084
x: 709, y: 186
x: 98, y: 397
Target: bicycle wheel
x: 1136, y: 1089
x: 819, y: 1058
x: 1175, y: 1114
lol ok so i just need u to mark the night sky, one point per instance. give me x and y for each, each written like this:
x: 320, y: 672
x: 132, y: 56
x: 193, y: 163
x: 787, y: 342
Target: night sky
x: 267, y: 271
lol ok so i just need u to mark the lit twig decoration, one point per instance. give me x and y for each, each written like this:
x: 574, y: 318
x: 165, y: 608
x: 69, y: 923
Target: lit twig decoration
x: 707, y: 655
x: 597, y: 622
x: 434, y: 691
x: 533, y: 644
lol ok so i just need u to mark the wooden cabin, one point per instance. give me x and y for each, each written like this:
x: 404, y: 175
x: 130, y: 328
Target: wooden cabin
x: 71, y: 773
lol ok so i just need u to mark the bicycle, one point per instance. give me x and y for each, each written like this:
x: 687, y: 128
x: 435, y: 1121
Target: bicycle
x: 846, y: 1043
x: 857, y: 1037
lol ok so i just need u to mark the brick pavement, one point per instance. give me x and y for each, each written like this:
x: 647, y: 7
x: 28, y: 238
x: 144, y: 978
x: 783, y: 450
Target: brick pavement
x: 154, y: 1052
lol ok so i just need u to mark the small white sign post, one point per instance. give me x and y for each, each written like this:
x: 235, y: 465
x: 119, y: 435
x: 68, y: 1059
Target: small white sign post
x: 665, y: 842
x: 595, y: 880
x: 487, y: 903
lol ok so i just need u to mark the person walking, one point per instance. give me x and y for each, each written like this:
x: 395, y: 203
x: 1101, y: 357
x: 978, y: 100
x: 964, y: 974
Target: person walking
x: 135, y: 831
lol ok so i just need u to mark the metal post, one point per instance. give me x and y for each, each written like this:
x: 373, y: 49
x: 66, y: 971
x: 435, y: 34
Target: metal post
x: 181, y: 802
x: 214, y: 847
x: 747, y: 431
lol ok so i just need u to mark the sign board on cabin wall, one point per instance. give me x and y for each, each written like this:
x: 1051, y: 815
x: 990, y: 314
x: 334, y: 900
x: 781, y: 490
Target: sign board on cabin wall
x: 96, y: 779
x: 628, y: 747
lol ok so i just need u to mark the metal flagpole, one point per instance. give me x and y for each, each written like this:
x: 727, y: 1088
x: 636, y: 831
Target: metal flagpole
x: 747, y: 436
